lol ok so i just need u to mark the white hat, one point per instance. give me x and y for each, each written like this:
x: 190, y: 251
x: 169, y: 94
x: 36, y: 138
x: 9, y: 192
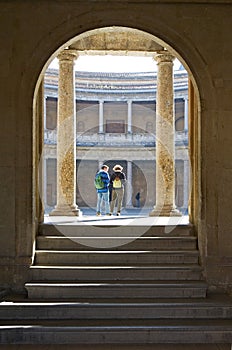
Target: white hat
x: 117, y: 167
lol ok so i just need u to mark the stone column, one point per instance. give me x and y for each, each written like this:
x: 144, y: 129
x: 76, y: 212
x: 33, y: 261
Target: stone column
x: 129, y: 117
x: 185, y: 113
x: 165, y: 134
x: 45, y: 112
x: 129, y: 184
x: 186, y: 184
x: 100, y: 163
x: 44, y: 166
x: 101, y: 117
x: 66, y: 137
x: 45, y: 184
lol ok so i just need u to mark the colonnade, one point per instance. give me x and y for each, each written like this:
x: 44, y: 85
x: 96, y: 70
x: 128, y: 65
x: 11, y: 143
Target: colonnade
x: 101, y: 117
x: 66, y: 137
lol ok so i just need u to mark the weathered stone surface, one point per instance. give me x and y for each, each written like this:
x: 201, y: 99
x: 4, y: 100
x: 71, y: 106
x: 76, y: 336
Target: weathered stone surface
x: 31, y: 34
x: 66, y: 138
x: 165, y: 150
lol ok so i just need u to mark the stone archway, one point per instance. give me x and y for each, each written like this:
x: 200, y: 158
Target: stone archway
x: 123, y: 40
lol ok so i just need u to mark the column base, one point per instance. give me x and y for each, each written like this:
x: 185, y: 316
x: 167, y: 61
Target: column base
x: 165, y: 211
x: 65, y: 211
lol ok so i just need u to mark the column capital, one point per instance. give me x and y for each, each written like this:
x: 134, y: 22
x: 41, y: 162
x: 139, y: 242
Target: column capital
x: 163, y: 56
x: 67, y: 55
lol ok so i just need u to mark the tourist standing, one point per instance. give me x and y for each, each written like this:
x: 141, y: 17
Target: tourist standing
x: 117, y: 181
x: 101, y: 182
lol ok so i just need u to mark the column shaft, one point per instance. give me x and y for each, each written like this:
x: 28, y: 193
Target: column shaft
x: 186, y: 113
x: 66, y: 137
x: 165, y: 133
x: 129, y: 184
x: 186, y: 184
x: 45, y: 112
x: 129, y: 117
x: 45, y: 184
x: 101, y: 117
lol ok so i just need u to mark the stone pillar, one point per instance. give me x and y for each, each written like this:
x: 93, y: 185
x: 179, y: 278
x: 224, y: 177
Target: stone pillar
x: 185, y: 113
x: 45, y: 112
x: 101, y: 117
x: 100, y: 163
x: 165, y: 134
x: 129, y: 117
x: 186, y: 184
x: 44, y: 167
x: 129, y: 184
x: 66, y: 137
x: 45, y: 184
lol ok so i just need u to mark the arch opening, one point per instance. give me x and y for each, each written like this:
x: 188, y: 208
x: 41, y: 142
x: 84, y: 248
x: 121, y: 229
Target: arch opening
x: 133, y: 42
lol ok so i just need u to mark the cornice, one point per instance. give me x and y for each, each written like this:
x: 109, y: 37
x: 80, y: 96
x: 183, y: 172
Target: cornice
x: 137, y: 86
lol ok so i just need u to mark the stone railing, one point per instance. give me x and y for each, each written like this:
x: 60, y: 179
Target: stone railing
x: 181, y: 137
x: 50, y: 137
x: 113, y: 139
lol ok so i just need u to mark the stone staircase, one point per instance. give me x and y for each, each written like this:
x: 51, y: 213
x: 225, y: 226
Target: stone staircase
x: 85, y: 265
x: 111, y: 286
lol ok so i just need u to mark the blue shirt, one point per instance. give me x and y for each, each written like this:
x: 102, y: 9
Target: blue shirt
x: 106, y: 179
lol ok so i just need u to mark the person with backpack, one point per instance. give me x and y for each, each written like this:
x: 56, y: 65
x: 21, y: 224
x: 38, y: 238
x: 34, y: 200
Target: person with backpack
x: 117, y: 181
x: 101, y: 183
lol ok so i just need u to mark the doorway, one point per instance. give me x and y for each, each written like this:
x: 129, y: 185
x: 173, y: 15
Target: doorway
x: 134, y: 135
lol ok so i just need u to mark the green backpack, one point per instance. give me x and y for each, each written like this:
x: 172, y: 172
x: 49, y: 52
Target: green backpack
x: 98, y: 182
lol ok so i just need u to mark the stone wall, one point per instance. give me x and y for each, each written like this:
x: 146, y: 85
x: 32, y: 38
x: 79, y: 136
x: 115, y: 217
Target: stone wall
x: 33, y: 31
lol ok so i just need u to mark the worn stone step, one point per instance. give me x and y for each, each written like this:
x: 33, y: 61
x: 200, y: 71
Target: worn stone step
x: 162, y: 309
x: 165, y: 289
x: 93, y: 273
x: 46, y: 257
x: 159, y: 332
x: 129, y: 243
x: 129, y: 230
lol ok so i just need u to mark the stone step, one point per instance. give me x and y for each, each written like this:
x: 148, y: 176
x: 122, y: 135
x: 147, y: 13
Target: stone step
x: 129, y: 230
x: 135, y: 289
x: 128, y: 243
x: 130, y: 332
x: 64, y: 258
x: 161, y: 309
x: 104, y: 273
